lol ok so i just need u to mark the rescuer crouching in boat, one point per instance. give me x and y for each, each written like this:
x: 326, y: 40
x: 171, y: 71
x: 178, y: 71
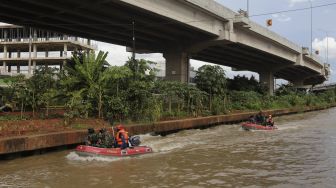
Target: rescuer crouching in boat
x: 102, y: 139
x: 91, y: 139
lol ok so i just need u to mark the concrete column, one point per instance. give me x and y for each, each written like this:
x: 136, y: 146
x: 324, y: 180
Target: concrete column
x: 65, y: 51
x: 5, y: 51
x: 34, y: 51
x: 18, y: 64
x: 4, y: 68
x: 4, y: 56
x: 34, y: 56
x: 35, y: 35
x: 267, y: 78
x: 30, y: 50
x: 177, y: 65
x: 18, y: 67
x: 34, y: 66
x: 47, y: 54
x: 6, y: 35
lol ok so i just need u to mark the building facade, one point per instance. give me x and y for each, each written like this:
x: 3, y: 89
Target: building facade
x: 23, y: 49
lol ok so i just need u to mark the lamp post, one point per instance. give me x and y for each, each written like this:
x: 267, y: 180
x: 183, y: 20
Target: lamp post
x: 311, y: 27
x: 248, y: 8
x: 327, y: 49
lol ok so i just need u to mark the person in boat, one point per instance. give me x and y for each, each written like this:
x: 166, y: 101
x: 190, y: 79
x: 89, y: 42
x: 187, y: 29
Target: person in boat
x: 105, y: 140
x: 252, y: 119
x: 108, y: 139
x: 269, y: 121
x: 259, y: 118
x: 121, y: 137
x: 101, y: 139
x: 91, y: 139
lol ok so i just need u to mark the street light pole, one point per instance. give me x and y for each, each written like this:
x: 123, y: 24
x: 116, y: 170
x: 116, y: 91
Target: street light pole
x: 327, y: 47
x: 311, y: 27
x: 248, y: 8
x: 327, y: 50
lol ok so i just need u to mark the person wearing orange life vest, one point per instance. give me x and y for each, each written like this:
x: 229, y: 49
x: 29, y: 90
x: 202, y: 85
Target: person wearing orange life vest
x: 121, y: 137
x: 269, y: 121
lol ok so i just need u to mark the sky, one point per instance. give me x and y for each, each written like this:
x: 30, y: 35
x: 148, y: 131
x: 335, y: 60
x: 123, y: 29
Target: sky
x: 293, y: 25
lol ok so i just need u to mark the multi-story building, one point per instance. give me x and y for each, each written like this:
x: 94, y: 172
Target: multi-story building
x: 22, y: 49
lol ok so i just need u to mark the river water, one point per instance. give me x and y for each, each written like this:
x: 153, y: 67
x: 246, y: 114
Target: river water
x: 301, y: 153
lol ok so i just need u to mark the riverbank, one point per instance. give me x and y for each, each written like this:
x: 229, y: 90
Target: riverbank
x: 26, y: 144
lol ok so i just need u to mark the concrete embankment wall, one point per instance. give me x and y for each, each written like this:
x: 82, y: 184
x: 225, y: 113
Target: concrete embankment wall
x: 21, y: 144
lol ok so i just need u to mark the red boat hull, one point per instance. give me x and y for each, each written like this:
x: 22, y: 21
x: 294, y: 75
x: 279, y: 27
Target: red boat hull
x: 84, y: 150
x: 253, y: 126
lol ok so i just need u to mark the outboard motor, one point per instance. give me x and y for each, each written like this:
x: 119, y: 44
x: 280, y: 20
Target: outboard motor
x: 134, y: 140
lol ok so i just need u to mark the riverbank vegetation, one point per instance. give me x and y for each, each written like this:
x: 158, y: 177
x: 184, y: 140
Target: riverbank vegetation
x: 88, y: 87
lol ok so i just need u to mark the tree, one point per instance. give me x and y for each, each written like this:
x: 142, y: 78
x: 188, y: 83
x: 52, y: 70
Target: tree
x: 18, y: 91
x: 116, y: 106
x: 242, y: 83
x: 42, y: 87
x: 90, y: 74
x: 211, y: 79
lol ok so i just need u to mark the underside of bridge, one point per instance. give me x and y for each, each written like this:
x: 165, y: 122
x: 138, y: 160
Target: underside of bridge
x: 104, y: 20
x: 243, y: 57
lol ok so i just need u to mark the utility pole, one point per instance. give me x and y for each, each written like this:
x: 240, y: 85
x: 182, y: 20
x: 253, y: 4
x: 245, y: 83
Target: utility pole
x: 327, y: 50
x: 327, y: 47
x: 311, y: 27
x: 133, y: 40
x: 248, y: 8
x: 133, y: 46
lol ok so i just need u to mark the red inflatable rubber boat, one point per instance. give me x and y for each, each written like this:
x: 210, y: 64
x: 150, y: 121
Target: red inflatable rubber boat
x: 84, y: 150
x: 253, y: 126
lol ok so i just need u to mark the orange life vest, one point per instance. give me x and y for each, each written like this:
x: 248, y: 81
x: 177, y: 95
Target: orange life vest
x: 118, y: 137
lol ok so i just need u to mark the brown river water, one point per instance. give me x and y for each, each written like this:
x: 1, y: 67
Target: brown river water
x: 301, y: 153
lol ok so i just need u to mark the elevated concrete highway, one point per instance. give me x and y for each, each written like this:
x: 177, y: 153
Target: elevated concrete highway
x: 180, y: 29
x: 324, y: 87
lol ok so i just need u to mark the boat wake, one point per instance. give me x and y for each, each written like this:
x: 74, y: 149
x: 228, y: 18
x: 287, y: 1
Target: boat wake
x: 73, y: 156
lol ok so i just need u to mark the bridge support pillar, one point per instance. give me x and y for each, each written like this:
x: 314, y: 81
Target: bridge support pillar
x: 177, y: 65
x: 267, y: 78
